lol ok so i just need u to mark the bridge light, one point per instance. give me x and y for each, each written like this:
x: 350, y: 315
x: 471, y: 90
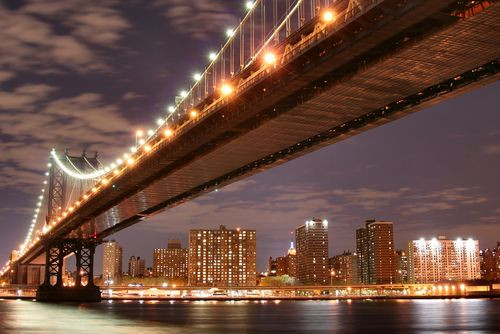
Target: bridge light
x: 151, y: 132
x: 249, y: 5
x: 133, y: 149
x: 168, y: 133
x: 270, y: 58
x: 226, y: 89
x: 170, y: 109
x: 328, y: 16
x: 139, y: 133
x: 197, y: 77
x: 212, y: 55
x: 104, y: 181
x: 229, y: 32
x: 94, y: 189
x: 116, y: 172
x: 119, y: 162
x: 130, y: 161
x: 183, y: 93
x: 159, y: 121
x: 193, y: 113
x: 141, y: 141
x: 147, y: 148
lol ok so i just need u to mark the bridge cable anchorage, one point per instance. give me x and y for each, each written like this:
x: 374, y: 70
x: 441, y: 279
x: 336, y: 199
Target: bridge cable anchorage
x: 78, y: 175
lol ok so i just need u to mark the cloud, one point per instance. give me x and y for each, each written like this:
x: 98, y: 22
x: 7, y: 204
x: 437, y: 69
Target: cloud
x: 493, y: 149
x: 420, y: 208
x: 34, y: 121
x: 6, y: 75
x: 45, y: 36
x: 197, y: 18
x: 131, y: 96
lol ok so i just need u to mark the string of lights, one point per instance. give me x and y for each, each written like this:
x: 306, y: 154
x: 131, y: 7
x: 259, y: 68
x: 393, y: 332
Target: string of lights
x: 146, y: 142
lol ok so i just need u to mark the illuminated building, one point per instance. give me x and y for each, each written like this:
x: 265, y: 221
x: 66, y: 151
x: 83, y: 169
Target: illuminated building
x: 172, y: 262
x: 291, y: 261
x: 136, y: 267
x: 112, y: 261
x: 284, y: 265
x: 375, y: 250
x: 401, y: 266
x: 343, y: 268
x: 490, y: 263
x: 441, y: 259
x: 222, y: 257
x: 312, y: 252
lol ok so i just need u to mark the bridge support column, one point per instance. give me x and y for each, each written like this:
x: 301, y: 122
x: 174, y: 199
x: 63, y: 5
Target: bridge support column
x: 53, y: 289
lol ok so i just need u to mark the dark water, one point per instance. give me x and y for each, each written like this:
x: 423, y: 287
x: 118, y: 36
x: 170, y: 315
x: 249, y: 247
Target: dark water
x: 395, y: 316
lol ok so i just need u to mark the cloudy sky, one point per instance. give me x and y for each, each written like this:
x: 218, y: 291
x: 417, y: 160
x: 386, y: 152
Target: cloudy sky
x: 83, y: 74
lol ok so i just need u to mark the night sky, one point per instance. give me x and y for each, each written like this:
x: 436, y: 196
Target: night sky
x: 83, y: 74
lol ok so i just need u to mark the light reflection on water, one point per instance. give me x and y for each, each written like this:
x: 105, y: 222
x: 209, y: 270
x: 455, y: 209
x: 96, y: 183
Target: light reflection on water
x: 459, y: 315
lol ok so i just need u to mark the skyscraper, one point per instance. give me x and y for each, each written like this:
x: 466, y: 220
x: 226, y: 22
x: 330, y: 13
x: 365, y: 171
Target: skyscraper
x: 490, y: 263
x: 172, y: 262
x: 440, y: 259
x: 136, y: 267
x: 112, y: 261
x: 222, y: 257
x: 375, y: 249
x: 312, y: 252
x: 291, y: 261
x: 401, y: 266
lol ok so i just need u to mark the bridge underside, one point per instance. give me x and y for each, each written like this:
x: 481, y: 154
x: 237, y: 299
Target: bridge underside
x: 389, y: 63
x: 409, y: 72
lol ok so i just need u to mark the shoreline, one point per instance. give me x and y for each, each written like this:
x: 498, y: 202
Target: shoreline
x: 258, y: 299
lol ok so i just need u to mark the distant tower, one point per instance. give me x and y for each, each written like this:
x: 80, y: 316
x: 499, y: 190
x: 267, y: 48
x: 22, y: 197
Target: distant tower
x: 291, y: 261
x: 312, y: 252
x: 112, y: 261
x: 375, y: 250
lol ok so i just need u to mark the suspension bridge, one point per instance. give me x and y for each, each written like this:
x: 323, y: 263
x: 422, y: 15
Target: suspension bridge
x: 292, y: 77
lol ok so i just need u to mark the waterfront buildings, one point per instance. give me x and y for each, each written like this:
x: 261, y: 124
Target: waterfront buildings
x: 222, y: 257
x: 401, y: 266
x: 312, y: 252
x: 284, y: 265
x: 343, y: 268
x: 375, y: 250
x: 490, y: 263
x: 136, y: 267
x: 112, y: 261
x: 441, y: 259
x: 171, y: 262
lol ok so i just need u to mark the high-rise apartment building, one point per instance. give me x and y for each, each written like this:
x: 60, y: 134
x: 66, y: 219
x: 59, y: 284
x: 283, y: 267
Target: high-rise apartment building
x: 401, y: 266
x: 490, y: 263
x: 375, y: 249
x: 343, y: 268
x: 312, y: 252
x: 172, y: 262
x: 440, y: 259
x: 136, y: 267
x: 112, y: 261
x: 222, y: 257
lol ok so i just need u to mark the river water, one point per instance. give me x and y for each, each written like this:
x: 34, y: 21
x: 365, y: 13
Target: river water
x: 409, y: 316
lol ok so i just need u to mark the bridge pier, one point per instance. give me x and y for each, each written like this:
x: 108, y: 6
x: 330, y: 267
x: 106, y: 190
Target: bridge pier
x: 53, y: 289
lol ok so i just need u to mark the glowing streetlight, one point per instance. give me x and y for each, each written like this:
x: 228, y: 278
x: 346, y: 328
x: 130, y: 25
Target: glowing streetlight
x: 270, y: 58
x: 212, y: 56
x: 229, y: 32
x: 193, y: 113
x: 249, y: 5
x: 168, y: 133
x: 328, y: 16
x: 184, y: 93
x: 170, y: 109
x: 226, y: 89
x: 197, y: 77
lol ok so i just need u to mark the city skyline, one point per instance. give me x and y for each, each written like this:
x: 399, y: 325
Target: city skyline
x: 444, y: 180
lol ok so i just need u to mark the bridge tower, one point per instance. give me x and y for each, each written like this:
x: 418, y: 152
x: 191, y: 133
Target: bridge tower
x: 61, y: 188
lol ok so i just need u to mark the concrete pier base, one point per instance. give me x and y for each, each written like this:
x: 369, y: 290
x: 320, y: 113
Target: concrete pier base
x: 55, y: 294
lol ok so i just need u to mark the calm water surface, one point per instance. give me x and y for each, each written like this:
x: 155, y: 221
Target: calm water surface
x: 444, y: 316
